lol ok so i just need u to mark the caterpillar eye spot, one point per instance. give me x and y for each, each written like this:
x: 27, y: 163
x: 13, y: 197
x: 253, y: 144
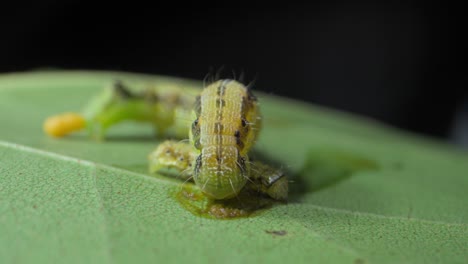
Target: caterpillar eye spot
x: 243, y: 123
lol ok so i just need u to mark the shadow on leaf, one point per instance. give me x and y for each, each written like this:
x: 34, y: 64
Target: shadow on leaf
x: 325, y: 168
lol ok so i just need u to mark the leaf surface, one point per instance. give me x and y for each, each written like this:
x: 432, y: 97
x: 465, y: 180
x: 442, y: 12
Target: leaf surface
x: 361, y: 192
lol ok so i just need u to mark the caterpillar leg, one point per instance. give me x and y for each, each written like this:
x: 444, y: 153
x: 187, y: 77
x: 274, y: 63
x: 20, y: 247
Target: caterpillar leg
x: 269, y: 181
x: 175, y: 156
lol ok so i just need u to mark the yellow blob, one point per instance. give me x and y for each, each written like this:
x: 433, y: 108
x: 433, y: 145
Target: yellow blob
x: 63, y: 124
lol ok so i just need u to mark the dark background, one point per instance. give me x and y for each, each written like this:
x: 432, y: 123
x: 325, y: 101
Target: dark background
x: 390, y: 61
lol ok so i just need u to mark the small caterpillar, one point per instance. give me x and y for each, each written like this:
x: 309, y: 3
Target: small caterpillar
x: 165, y: 109
x: 225, y: 124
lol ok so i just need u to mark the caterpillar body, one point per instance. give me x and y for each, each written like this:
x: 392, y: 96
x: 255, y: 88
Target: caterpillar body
x: 226, y: 126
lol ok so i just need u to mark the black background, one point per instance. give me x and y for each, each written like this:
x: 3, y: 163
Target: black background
x: 391, y: 61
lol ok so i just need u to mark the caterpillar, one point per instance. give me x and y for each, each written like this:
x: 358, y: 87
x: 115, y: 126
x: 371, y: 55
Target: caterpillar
x: 225, y: 124
x: 166, y: 109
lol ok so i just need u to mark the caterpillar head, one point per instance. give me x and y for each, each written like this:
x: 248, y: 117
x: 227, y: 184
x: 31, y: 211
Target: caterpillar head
x: 221, y: 173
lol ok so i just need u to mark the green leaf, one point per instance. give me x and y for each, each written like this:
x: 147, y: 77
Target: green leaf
x: 361, y: 192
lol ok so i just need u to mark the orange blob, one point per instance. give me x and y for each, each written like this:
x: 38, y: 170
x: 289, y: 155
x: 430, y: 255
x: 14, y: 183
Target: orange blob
x: 63, y: 124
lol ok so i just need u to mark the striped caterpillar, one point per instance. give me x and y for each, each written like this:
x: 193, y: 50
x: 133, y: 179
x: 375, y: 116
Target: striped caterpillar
x: 226, y: 123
